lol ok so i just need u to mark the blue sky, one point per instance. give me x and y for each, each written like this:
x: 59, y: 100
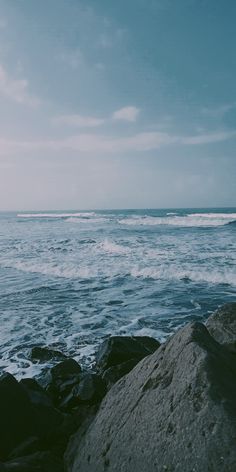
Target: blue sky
x: 107, y: 104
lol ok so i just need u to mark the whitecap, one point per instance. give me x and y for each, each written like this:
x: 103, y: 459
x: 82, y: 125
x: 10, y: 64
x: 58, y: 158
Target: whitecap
x: 171, y: 273
x: 191, y: 220
x: 57, y: 215
x: 113, y: 248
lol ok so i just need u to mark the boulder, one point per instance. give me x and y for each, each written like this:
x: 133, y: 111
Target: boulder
x: 29, y: 446
x: 175, y: 411
x: 118, y: 349
x: 116, y: 372
x: 38, y: 462
x: 90, y: 390
x: 16, y: 415
x: 222, y: 325
x: 35, y: 392
x: 60, y: 379
x: 65, y: 370
x: 44, y: 354
x: 24, y: 414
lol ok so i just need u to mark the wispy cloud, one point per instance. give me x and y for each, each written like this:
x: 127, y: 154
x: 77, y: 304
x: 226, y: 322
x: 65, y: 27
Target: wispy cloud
x: 220, y: 111
x: 110, y: 38
x: 208, y: 138
x: 73, y: 58
x: 94, y: 144
x: 3, y: 23
x: 16, y: 90
x: 79, y: 121
x: 129, y: 113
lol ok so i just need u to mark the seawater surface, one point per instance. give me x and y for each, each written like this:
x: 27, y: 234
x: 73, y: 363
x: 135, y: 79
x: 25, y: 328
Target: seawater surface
x: 69, y: 279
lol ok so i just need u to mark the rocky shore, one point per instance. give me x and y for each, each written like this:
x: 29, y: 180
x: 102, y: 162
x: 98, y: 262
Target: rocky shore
x: 145, y: 407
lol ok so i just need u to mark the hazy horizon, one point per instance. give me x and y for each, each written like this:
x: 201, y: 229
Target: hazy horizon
x: 51, y: 210
x: 117, y: 105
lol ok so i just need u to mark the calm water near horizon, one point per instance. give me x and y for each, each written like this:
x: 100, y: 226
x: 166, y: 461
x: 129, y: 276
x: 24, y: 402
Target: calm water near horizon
x: 69, y: 279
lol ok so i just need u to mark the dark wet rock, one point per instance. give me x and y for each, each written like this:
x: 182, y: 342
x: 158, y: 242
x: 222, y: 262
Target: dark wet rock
x: 175, y: 411
x: 35, y: 392
x: 38, y: 462
x: 24, y: 414
x: 115, y: 373
x: 90, y: 390
x: 44, y: 354
x: 16, y: 415
x: 118, y: 349
x: 65, y: 370
x: 58, y: 441
x: 61, y: 378
x: 29, y: 446
x: 222, y: 325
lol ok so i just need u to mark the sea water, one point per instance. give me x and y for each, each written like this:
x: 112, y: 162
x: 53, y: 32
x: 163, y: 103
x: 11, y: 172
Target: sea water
x: 70, y: 279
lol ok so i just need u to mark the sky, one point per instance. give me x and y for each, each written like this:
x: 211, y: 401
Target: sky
x: 117, y: 104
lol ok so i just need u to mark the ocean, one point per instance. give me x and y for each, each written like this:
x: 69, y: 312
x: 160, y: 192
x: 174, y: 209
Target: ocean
x: 70, y: 279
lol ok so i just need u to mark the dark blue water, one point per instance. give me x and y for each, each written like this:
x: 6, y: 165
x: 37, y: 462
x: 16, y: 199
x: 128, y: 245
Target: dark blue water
x: 69, y: 279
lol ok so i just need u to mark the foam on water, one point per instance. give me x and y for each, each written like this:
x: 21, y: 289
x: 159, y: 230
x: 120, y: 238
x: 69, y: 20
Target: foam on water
x: 71, y: 282
x: 113, y: 248
x: 56, y: 215
x: 191, y: 220
x: 85, y: 220
x: 174, y: 273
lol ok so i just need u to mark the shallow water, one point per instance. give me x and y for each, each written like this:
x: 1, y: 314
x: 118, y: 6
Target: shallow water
x: 69, y: 279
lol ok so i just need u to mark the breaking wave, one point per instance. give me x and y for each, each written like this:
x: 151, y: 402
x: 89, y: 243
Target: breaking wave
x: 201, y: 276
x: 57, y: 215
x: 191, y: 220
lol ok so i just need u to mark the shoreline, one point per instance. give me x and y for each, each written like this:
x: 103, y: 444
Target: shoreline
x: 39, y: 419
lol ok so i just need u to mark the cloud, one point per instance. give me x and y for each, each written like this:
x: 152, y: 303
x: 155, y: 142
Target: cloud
x: 79, y: 121
x: 208, y: 138
x: 73, y: 59
x: 3, y: 23
x: 220, y: 111
x: 129, y: 113
x: 94, y: 144
x: 111, y: 38
x: 16, y: 89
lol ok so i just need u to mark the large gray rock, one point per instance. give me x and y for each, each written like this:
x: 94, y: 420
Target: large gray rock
x: 222, y: 325
x: 175, y: 411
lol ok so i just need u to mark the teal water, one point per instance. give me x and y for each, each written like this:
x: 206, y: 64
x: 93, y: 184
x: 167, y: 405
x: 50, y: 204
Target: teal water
x: 69, y: 279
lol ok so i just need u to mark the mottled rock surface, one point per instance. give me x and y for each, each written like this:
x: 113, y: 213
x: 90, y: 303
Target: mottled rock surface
x: 222, y: 325
x: 175, y: 411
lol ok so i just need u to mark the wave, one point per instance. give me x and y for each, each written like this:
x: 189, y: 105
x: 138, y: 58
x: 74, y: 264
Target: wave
x: 74, y: 219
x: 215, y: 215
x: 63, y: 270
x: 201, y: 276
x: 113, y: 248
x: 165, y: 273
x: 56, y: 215
x: 191, y: 220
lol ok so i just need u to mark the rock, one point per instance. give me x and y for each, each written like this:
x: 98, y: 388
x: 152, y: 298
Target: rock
x: 118, y: 349
x: 43, y: 354
x: 16, y: 413
x: 90, y: 390
x: 58, y: 441
x: 65, y: 370
x: 29, y: 446
x: 38, y: 462
x: 114, y: 373
x: 35, y: 392
x: 175, y: 411
x: 60, y: 380
x: 222, y: 325
x: 24, y: 415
